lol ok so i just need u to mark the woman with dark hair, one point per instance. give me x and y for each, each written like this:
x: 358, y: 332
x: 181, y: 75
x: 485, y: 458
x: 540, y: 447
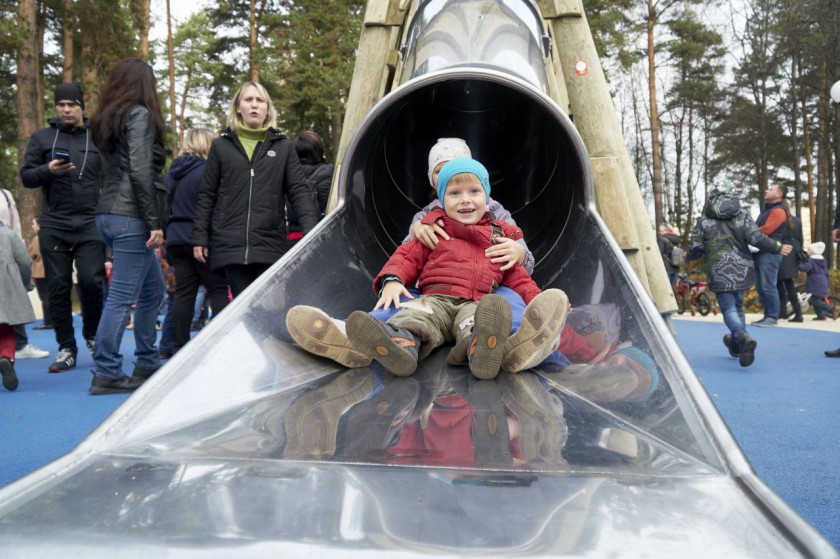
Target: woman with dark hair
x: 128, y: 129
x: 251, y: 170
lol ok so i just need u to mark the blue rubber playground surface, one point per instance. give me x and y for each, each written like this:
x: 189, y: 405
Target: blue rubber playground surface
x: 784, y: 410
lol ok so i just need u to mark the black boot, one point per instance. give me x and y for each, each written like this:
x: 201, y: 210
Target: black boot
x: 121, y: 385
x: 833, y: 353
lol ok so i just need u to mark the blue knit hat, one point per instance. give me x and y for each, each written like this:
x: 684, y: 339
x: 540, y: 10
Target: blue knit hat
x: 646, y: 362
x: 458, y: 166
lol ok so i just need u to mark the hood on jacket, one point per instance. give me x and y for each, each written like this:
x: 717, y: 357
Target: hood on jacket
x: 722, y: 205
x: 55, y: 122
x: 182, y: 165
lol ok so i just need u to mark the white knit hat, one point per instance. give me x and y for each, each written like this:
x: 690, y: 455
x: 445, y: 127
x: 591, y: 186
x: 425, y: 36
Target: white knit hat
x: 817, y: 248
x: 446, y: 149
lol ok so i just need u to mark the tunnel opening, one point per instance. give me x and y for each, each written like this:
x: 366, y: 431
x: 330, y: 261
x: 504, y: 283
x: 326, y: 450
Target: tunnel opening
x: 538, y: 166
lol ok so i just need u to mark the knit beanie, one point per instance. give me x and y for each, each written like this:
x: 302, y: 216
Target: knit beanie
x: 817, y: 248
x: 645, y: 361
x: 446, y: 149
x: 458, y: 166
x: 70, y: 92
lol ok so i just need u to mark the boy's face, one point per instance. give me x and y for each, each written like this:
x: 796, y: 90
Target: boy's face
x: 464, y: 199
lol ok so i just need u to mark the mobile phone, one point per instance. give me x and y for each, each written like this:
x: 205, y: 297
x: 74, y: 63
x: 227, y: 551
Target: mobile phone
x: 63, y: 154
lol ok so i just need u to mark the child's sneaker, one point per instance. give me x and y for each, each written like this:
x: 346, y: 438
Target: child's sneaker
x: 490, y: 333
x: 539, y: 333
x: 7, y: 369
x: 727, y: 341
x: 395, y: 348
x: 319, y: 334
x: 747, y: 355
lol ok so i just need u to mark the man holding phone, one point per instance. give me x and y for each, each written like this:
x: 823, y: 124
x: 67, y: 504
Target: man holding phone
x: 63, y: 161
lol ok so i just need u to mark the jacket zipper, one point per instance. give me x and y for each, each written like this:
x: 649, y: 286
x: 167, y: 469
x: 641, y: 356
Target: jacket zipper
x: 250, y: 195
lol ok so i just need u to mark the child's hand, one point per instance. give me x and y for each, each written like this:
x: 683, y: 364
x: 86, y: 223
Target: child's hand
x: 506, y: 251
x: 428, y: 234
x: 391, y: 295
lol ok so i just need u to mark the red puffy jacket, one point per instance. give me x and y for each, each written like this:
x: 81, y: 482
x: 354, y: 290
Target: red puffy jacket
x: 458, y: 267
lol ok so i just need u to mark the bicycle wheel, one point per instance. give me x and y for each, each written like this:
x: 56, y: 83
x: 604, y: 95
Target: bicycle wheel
x: 704, y: 304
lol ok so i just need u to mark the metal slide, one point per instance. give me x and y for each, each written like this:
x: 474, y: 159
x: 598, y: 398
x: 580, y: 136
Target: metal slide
x: 243, y: 445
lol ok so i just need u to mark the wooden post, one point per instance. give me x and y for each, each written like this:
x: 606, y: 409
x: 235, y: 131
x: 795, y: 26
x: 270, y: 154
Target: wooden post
x: 617, y: 192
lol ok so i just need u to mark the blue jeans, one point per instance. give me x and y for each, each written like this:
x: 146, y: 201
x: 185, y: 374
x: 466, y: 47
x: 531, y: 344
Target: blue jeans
x: 766, y: 274
x: 732, y: 308
x: 136, y: 279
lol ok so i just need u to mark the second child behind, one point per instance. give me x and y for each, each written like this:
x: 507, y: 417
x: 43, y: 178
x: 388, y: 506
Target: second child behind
x: 456, y: 281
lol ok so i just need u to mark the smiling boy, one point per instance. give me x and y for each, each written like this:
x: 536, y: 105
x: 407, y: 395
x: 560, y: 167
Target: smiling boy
x: 456, y: 280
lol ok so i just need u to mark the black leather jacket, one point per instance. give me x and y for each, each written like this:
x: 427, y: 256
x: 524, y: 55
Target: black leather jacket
x: 132, y: 184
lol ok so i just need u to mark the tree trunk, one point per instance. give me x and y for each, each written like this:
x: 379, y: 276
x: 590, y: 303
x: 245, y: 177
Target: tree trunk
x: 253, y: 71
x: 173, y: 115
x: 654, y: 116
x: 794, y: 137
x: 67, y: 43
x: 144, y: 24
x: 809, y: 167
x: 29, y: 105
x: 181, y: 126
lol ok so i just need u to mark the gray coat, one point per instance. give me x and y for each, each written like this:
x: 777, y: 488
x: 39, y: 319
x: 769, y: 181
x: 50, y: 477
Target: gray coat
x: 15, y: 273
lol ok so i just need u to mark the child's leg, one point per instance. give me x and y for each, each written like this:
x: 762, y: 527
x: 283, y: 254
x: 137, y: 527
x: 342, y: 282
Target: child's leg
x: 487, y: 333
x: 820, y: 306
x: 539, y: 333
x: 407, y: 336
x: 7, y: 357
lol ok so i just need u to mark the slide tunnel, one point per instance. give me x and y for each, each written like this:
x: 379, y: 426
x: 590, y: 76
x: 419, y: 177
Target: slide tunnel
x: 244, y: 445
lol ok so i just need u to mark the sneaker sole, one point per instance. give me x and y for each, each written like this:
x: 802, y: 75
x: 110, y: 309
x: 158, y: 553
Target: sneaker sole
x: 312, y: 420
x: 542, y: 434
x: 313, y: 330
x: 365, y: 331
x: 10, y: 380
x: 539, y: 332
x: 99, y: 391
x: 492, y: 328
x: 748, y: 353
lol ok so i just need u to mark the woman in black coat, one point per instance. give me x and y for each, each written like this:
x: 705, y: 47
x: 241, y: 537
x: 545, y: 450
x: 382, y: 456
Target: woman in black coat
x: 250, y: 172
x: 789, y: 269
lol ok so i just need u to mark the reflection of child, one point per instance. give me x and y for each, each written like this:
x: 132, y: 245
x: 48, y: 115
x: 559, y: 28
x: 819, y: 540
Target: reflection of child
x: 817, y: 282
x: 456, y: 280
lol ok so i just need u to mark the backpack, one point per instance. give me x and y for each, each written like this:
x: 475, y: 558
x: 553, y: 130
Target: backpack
x: 677, y: 256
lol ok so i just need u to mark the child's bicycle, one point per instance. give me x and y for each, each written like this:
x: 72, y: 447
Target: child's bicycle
x: 691, y: 295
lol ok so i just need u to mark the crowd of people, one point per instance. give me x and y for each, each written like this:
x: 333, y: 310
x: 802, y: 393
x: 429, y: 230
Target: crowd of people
x: 108, y: 216
x: 768, y: 253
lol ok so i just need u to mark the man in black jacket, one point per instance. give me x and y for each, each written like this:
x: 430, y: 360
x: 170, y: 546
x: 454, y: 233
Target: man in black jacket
x: 63, y: 160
